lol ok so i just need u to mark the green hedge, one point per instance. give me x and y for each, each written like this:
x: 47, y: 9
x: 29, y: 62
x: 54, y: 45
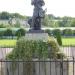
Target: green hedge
x: 67, y: 32
x: 49, y: 32
x: 20, y: 32
x: 6, y: 32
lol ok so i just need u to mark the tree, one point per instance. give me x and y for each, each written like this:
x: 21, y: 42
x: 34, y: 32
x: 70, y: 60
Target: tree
x: 46, y: 21
x: 66, y: 21
x: 17, y: 23
x: 4, y: 15
x: 51, y: 16
x: 17, y: 15
x: 56, y: 24
x: 73, y: 23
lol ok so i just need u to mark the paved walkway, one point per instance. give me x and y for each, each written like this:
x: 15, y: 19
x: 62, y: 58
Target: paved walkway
x: 4, y: 52
x: 69, y: 51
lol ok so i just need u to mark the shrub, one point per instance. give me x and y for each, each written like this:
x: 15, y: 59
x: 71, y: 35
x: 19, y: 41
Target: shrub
x: 20, y: 32
x: 2, y: 26
x: 61, y: 55
x: 54, y: 31
x: 67, y: 32
x: 57, y: 34
x: 8, y: 32
x: 74, y: 32
x: 27, y: 50
x: 48, y: 31
x: 31, y: 49
x: 1, y: 34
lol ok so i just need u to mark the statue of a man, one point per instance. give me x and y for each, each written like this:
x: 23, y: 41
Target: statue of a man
x: 38, y: 14
x: 38, y: 11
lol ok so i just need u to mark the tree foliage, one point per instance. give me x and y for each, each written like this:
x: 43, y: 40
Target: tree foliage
x: 52, y: 21
x: 5, y: 15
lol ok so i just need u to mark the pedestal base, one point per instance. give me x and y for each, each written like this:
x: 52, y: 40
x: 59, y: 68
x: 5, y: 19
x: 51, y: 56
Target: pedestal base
x: 36, y: 31
x: 37, y: 36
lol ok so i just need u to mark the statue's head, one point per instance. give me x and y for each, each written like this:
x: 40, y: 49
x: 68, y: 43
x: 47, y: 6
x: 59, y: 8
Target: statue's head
x: 37, y: 2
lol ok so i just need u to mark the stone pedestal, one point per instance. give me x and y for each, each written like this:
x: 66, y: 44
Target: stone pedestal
x: 37, y: 36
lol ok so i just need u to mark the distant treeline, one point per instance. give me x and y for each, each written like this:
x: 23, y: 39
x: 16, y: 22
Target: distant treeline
x: 52, y: 21
x: 49, y: 21
x: 6, y: 16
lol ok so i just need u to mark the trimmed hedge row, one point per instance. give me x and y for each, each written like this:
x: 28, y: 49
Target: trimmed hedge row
x: 21, y: 32
x: 65, y: 32
x: 12, y: 33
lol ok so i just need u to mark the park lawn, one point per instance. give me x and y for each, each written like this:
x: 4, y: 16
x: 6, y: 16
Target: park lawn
x: 68, y: 41
x: 12, y: 43
x: 7, y: 43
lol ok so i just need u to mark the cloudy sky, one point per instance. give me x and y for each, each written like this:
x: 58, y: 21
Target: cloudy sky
x: 56, y: 7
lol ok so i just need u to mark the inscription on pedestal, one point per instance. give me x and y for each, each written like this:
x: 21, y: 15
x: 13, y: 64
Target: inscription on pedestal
x: 38, y: 36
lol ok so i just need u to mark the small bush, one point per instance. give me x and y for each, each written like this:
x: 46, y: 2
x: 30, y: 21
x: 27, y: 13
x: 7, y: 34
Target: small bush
x: 67, y: 32
x: 8, y: 32
x: 1, y: 34
x: 73, y: 32
x: 61, y: 55
x: 48, y: 31
x: 2, y: 26
x: 20, y: 32
x: 57, y: 34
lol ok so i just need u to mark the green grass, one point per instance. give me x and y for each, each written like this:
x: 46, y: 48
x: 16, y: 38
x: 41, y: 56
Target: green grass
x: 12, y: 43
x: 7, y: 43
x: 68, y: 41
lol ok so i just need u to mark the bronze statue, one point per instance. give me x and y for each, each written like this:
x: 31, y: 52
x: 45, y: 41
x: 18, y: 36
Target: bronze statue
x: 38, y: 14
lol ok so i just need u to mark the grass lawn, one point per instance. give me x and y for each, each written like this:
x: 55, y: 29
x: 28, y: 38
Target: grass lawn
x: 12, y: 43
x: 68, y: 41
x: 7, y: 43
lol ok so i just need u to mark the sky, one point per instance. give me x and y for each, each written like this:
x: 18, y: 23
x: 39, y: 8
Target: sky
x: 56, y: 7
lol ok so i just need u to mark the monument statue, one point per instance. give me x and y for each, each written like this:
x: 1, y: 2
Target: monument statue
x: 35, y: 32
x: 38, y: 14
